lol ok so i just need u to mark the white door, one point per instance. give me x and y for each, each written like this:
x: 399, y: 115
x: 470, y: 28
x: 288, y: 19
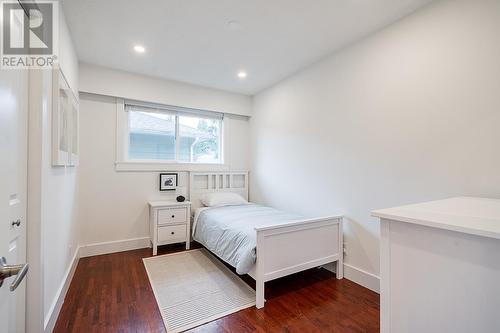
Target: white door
x: 13, y: 184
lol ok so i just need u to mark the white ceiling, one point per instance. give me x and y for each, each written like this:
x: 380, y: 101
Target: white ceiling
x: 191, y: 40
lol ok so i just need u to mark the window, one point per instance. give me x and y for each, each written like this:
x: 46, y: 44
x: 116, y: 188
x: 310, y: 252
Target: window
x: 174, y: 135
x: 199, y: 139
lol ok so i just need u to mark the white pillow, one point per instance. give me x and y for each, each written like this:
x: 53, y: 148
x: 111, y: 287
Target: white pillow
x: 222, y: 199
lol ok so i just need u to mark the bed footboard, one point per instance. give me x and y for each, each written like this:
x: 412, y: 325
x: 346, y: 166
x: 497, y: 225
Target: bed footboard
x: 293, y: 247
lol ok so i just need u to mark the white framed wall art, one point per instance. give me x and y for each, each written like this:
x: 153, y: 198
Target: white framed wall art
x: 65, y: 122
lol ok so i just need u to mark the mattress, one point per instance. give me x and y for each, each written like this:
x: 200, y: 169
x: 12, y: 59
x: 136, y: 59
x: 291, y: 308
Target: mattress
x: 229, y: 231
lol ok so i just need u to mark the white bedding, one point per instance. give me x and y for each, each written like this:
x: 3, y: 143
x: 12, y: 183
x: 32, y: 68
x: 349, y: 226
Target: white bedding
x: 229, y: 231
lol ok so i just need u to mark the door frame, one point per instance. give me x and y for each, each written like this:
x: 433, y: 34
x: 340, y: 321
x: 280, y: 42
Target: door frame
x: 34, y: 232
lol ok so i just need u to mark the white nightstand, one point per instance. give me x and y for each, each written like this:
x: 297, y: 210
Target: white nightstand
x: 169, y: 223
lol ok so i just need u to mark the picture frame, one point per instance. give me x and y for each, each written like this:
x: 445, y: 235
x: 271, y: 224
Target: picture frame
x: 73, y: 132
x: 60, y: 115
x: 168, y: 181
x: 65, y: 122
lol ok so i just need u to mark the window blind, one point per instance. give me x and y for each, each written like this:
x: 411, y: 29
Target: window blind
x: 170, y: 109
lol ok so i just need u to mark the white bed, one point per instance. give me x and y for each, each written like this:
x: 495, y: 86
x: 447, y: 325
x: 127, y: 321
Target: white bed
x: 284, y: 248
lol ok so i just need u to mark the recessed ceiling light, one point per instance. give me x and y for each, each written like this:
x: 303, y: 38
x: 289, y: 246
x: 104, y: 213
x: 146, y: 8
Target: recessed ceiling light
x: 242, y: 74
x: 139, y: 49
x: 234, y: 25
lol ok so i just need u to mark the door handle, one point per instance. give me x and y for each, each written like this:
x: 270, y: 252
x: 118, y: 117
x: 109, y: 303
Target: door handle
x: 7, y: 271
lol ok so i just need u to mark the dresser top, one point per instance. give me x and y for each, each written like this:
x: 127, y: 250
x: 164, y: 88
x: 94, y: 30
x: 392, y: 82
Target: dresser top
x: 475, y: 216
x: 166, y: 203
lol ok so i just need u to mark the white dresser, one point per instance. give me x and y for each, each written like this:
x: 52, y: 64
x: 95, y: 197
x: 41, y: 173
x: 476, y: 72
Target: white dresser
x: 440, y: 267
x: 169, y: 223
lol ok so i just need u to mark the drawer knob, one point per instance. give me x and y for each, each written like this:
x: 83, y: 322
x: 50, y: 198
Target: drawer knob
x: 173, y: 216
x: 172, y: 232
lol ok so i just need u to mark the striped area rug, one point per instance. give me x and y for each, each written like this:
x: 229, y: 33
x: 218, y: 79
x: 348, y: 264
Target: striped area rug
x: 193, y: 288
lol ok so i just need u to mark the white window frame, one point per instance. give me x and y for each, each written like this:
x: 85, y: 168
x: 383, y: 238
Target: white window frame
x: 123, y: 163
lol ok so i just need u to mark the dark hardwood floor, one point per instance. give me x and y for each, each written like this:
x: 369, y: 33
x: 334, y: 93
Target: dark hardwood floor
x: 111, y: 293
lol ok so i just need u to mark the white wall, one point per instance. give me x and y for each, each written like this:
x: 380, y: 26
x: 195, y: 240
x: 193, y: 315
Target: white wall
x: 110, y: 82
x: 409, y: 114
x: 113, y: 205
x: 68, y: 60
x: 59, y: 188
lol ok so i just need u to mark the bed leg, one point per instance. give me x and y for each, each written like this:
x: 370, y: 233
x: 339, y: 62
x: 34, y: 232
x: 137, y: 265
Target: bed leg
x: 339, y: 271
x: 259, y: 294
x: 259, y: 278
x: 340, y: 263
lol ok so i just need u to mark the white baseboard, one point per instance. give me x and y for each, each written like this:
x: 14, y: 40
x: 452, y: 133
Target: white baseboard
x: 359, y: 276
x: 55, y: 308
x: 96, y: 249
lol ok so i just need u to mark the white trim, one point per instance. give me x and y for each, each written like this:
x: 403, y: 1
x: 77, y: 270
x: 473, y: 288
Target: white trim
x: 96, y: 249
x: 55, y: 308
x: 34, y: 234
x: 359, y: 276
x: 177, y: 138
x: 159, y: 166
x: 121, y: 144
x: 362, y: 277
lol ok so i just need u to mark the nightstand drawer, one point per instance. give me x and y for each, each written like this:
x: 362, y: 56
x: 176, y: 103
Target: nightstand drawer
x: 172, y: 234
x: 172, y: 215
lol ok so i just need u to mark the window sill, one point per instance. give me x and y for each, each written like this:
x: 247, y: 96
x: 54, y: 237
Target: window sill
x: 129, y: 166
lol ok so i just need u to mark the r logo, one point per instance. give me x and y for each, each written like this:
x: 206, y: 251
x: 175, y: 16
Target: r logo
x: 28, y: 28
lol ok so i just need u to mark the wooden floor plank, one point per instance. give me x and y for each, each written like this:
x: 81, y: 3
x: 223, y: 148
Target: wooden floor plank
x: 111, y: 293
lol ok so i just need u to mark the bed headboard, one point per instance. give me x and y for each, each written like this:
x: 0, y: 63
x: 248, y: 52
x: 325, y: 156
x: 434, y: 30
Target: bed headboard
x: 209, y: 182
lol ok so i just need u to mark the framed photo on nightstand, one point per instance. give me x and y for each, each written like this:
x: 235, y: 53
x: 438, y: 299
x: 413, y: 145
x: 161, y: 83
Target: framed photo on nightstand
x: 168, y: 181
